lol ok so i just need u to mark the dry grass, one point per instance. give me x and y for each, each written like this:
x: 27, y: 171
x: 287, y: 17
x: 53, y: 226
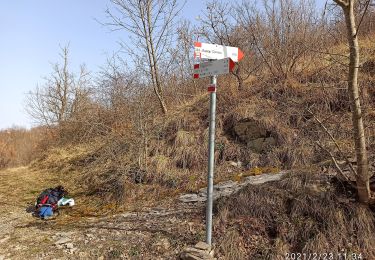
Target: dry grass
x: 117, y: 166
x: 26, y: 183
x: 302, y: 213
x: 187, y: 150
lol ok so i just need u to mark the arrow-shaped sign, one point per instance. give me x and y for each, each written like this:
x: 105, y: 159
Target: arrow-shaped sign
x: 216, y: 52
x: 211, y: 68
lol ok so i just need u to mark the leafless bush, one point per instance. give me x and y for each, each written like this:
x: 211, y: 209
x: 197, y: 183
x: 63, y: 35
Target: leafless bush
x: 285, y: 34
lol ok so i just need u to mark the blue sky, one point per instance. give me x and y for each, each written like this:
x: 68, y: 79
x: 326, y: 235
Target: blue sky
x: 31, y: 32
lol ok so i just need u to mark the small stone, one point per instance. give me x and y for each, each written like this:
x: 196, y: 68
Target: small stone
x: 63, y: 240
x: 191, y: 253
x: 69, y: 245
x: 83, y: 254
x: 89, y: 235
x: 203, y: 246
x: 2, y: 257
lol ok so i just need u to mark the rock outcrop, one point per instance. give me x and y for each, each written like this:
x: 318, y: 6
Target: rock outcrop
x: 256, y: 137
x: 201, y: 251
x: 227, y: 188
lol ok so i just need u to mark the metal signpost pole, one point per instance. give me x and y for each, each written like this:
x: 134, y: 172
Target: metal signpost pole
x: 211, y: 162
x: 217, y: 60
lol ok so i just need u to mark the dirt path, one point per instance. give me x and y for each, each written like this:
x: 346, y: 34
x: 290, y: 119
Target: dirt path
x: 156, y: 233
x: 16, y: 190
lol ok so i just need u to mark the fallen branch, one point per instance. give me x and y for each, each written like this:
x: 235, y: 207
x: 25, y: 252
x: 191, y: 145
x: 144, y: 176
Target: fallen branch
x: 338, y: 169
x: 334, y: 141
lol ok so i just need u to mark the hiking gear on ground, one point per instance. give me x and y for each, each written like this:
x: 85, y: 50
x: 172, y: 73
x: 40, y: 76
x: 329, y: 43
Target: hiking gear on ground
x: 50, y: 196
x: 60, y: 189
x: 65, y: 202
x: 45, y: 212
x: 46, y: 203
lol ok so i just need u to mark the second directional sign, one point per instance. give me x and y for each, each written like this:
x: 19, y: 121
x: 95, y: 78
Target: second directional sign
x: 211, y: 68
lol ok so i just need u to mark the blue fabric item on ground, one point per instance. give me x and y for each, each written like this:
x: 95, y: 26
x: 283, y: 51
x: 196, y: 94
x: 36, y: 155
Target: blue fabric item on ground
x: 45, y: 211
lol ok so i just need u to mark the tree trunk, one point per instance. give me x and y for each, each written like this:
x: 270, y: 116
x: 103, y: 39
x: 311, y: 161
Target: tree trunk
x: 238, y: 77
x: 157, y: 85
x: 362, y: 177
x: 66, y: 87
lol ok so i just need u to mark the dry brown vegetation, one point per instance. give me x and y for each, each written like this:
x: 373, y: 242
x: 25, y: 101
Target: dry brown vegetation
x: 303, y: 213
x: 146, y: 153
x: 19, y: 146
x: 285, y: 107
x: 130, y: 145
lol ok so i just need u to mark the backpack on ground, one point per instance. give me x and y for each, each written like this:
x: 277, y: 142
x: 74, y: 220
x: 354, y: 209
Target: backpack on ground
x: 46, y: 202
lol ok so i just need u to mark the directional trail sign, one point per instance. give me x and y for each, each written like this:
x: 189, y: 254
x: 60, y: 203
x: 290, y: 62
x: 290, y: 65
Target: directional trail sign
x: 211, y: 68
x: 222, y: 60
x: 216, y: 52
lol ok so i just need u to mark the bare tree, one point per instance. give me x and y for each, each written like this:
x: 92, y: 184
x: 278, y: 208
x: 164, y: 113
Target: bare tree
x: 362, y: 174
x: 151, y: 24
x: 60, y: 96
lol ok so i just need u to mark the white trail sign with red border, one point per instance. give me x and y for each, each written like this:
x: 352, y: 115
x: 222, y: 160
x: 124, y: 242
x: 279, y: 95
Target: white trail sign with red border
x: 211, y: 68
x: 206, y: 51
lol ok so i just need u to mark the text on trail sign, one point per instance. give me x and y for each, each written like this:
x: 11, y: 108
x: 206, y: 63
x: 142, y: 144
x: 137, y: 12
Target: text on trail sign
x: 216, y: 52
x: 211, y: 68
